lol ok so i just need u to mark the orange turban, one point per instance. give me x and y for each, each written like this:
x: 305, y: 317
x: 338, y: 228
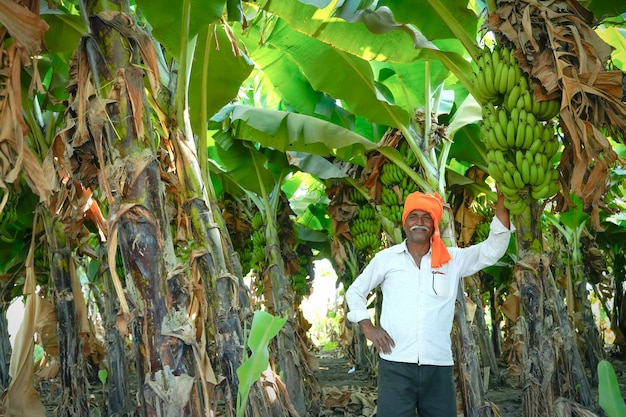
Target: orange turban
x: 433, y: 205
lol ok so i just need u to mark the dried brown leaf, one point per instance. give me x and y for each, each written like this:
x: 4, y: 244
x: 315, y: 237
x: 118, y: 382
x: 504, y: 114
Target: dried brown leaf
x: 21, y: 399
x: 26, y: 27
x: 468, y: 220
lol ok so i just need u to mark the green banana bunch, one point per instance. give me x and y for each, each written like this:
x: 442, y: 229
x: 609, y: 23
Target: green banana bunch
x: 408, y: 186
x: 391, y: 174
x: 481, y: 232
x: 365, y: 229
x: 393, y: 213
x: 497, y: 73
x: 258, y: 238
x: 355, y: 196
x: 301, y: 280
x: 519, y: 150
x: 521, y: 97
x: 389, y: 197
x: 257, y: 221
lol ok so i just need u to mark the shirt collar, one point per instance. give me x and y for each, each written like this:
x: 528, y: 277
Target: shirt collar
x: 403, y: 248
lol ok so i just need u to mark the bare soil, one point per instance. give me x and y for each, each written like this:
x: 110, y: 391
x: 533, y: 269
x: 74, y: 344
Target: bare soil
x: 349, y: 392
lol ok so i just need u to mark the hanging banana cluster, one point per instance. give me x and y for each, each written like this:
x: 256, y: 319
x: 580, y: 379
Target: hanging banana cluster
x: 41, y: 259
x: 8, y: 218
x: 301, y: 280
x: 258, y: 239
x: 395, y: 182
x: 517, y: 131
x: 481, y: 232
x: 498, y: 72
x: 365, y: 229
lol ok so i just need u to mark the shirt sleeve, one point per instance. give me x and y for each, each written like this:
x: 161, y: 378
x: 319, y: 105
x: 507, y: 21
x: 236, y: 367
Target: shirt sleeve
x: 476, y: 257
x: 357, y: 293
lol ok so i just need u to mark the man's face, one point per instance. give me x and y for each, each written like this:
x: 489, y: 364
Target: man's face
x: 419, y: 226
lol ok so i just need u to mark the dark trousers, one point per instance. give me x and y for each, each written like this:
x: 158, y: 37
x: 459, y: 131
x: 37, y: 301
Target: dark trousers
x: 404, y: 388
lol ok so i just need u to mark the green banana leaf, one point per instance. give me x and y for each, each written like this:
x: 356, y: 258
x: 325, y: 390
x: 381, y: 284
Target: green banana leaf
x: 395, y: 45
x: 406, y: 82
x: 216, y: 74
x: 602, y: 8
x: 65, y: 29
x: 264, y: 328
x: 285, y: 131
x: 166, y: 19
x: 437, y: 19
x: 244, y: 165
x: 350, y: 78
x: 610, y: 398
x: 616, y: 37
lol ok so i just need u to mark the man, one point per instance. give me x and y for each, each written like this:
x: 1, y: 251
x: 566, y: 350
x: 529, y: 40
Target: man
x: 419, y: 280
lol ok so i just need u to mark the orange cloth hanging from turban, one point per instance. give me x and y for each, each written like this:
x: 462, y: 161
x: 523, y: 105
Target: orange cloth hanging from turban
x: 433, y: 205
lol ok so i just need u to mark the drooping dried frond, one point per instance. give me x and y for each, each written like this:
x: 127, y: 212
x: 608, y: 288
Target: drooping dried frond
x: 21, y: 37
x: 557, y: 46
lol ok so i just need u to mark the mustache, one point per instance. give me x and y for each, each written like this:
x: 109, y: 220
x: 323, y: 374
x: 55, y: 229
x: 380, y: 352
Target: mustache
x: 416, y: 227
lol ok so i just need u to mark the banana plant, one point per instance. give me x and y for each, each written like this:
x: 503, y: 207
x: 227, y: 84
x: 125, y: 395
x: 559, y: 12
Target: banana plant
x: 260, y: 173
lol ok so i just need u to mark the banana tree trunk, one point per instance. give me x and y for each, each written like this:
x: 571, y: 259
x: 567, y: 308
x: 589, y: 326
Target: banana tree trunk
x: 547, y: 338
x: 300, y: 382
x: 73, y: 399
x: 118, y: 392
x: 496, y: 337
x: 469, y: 375
x: 487, y: 352
x: 464, y: 346
x: 592, y: 345
x: 112, y: 57
x: 219, y: 273
x: 571, y: 377
x: 5, y: 347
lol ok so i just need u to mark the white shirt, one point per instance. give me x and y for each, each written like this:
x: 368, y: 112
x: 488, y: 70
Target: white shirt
x: 418, y: 303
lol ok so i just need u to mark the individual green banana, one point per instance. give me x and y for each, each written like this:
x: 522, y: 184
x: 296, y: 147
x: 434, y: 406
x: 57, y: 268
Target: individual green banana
x: 514, y: 117
x: 494, y: 171
x: 535, y: 146
x: 521, y: 130
x: 528, y: 101
x: 519, y: 156
x: 511, y: 77
x: 503, y: 117
x: 507, y: 179
x: 517, y: 207
x: 541, y: 174
x: 533, y: 174
x: 500, y: 135
x: 538, y: 132
x: 490, y: 78
x: 510, y: 193
x: 529, y: 136
x: 535, y: 105
x: 531, y: 119
x: 540, y: 192
x: 496, y: 57
x: 517, y: 179
x: 552, y: 109
x: 499, y: 157
x: 525, y: 171
x: 512, y: 97
x: 503, y: 82
x: 510, y: 131
x: 497, y: 75
x: 481, y: 89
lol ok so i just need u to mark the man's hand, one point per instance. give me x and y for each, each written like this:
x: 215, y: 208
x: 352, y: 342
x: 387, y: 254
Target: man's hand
x: 378, y: 336
x: 501, y: 212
